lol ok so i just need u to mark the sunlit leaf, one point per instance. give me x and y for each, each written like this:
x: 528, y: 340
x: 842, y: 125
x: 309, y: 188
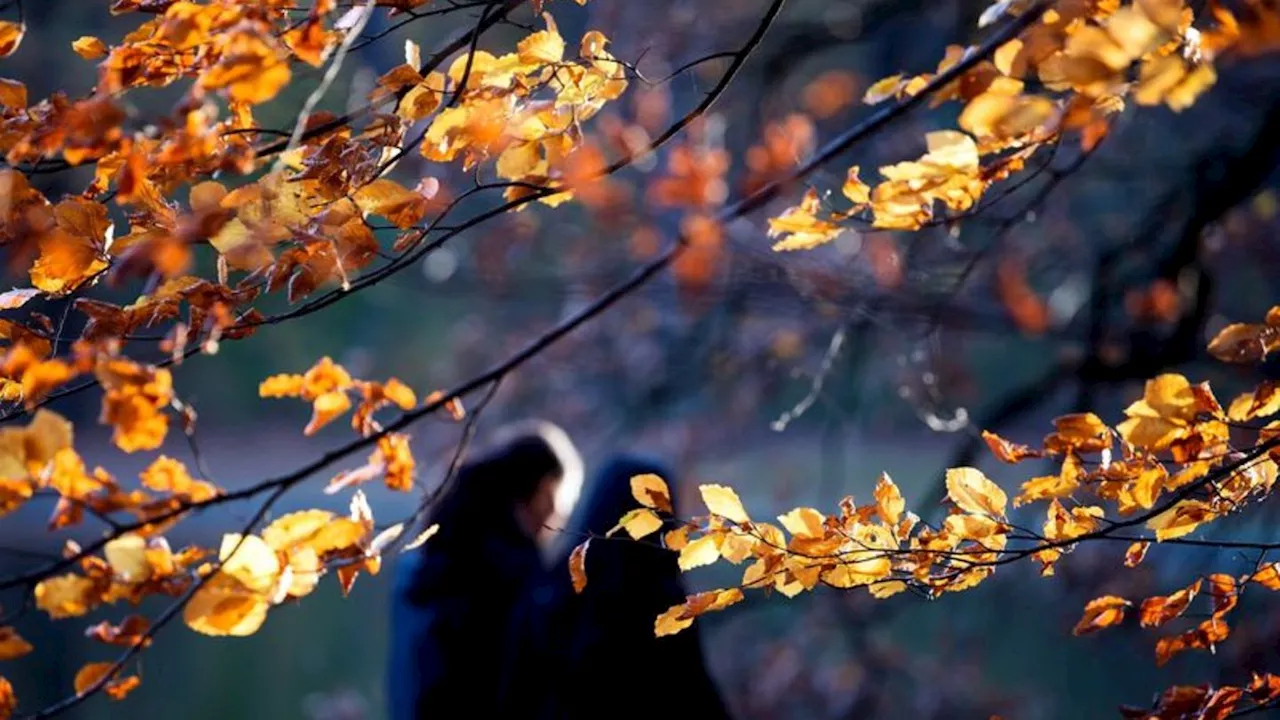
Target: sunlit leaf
x: 973, y: 492
x: 1102, y: 612
x: 723, y: 501
x: 651, y: 491
x: 578, y: 566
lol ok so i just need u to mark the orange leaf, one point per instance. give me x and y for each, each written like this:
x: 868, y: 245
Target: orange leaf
x: 578, y: 566
x: 11, y: 34
x: 1102, y: 612
x: 8, y: 701
x: 12, y: 645
x: 89, y: 47
x: 723, y: 501
x: 91, y: 677
x: 651, y: 491
x: 1136, y: 553
x: 1009, y: 452
x: 1159, y: 610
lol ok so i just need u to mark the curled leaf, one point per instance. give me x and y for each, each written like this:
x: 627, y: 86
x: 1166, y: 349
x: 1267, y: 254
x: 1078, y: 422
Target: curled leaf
x: 578, y: 566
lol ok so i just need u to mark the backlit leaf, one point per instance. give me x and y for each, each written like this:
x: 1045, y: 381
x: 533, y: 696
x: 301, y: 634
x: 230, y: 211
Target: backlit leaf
x: 651, y: 491
x: 10, y: 37
x: 973, y: 492
x: 578, y: 566
x: 723, y: 501
x: 12, y: 645
x: 698, y: 553
x: 639, y: 523
x: 1102, y: 612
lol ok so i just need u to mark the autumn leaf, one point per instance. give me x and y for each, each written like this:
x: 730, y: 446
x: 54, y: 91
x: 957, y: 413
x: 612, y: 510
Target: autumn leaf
x: 698, y: 553
x: 639, y: 523
x: 1102, y: 612
x: 127, y: 555
x: 89, y: 48
x: 889, y: 502
x: 578, y: 566
x: 651, y: 491
x: 723, y: 501
x: 544, y: 47
x: 1008, y: 451
x: 12, y: 645
x: 66, y: 596
x: 972, y: 492
x: 1157, y: 611
x: 8, y: 701
x: 11, y: 34
x: 1136, y: 553
x: 804, y: 523
x: 89, y: 677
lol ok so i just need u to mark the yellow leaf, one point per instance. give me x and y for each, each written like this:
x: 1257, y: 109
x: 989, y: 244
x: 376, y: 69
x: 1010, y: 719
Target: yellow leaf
x: 1101, y: 613
x: 698, y: 553
x: 250, y: 560
x: 804, y: 523
x: 224, y: 606
x: 388, y: 198
x: 883, y: 89
x: 544, y: 47
x: 116, y: 688
x: 723, y: 501
x: 281, y: 386
x: 65, y: 596
x: 66, y: 262
x: 327, y: 408
x: 424, y: 536
x: 651, y: 491
x: 520, y: 160
x: 127, y: 556
x: 12, y: 645
x: 578, y: 566
x: 11, y: 34
x: 671, y: 622
x: 639, y: 523
x: 889, y: 502
x: 858, y: 192
x: 973, y: 492
x: 296, y: 528
x: 1181, y: 519
x: 89, y: 47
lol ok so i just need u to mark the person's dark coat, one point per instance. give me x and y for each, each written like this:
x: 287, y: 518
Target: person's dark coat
x: 454, y: 600
x: 608, y: 630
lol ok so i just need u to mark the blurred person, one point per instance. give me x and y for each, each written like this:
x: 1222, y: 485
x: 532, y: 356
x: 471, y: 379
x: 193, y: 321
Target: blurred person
x: 607, y: 631
x: 455, y: 600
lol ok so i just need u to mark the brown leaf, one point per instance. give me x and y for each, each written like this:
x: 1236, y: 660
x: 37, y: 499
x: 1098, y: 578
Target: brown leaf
x: 578, y: 566
x: 1102, y: 612
x: 1009, y: 452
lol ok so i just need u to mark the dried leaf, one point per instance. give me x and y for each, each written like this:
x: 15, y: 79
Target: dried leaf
x: 651, y: 491
x: 723, y: 501
x: 578, y: 566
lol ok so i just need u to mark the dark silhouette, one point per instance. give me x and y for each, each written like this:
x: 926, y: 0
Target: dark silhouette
x: 611, y: 653
x: 455, y: 600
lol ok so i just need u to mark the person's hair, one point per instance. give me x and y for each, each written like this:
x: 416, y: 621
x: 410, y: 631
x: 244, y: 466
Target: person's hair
x: 508, y: 473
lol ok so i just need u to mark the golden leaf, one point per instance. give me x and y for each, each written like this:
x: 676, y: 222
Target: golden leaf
x: 544, y: 47
x: 12, y: 645
x: 1136, y: 553
x: 973, y: 492
x: 11, y: 34
x: 671, y: 622
x: 224, y: 606
x: 889, y: 502
x: 66, y: 261
x: 804, y: 523
x: 250, y: 560
x: 883, y: 89
x: 578, y: 566
x: 89, y: 47
x: 116, y: 688
x: 252, y: 68
x: 296, y: 528
x: 698, y: 553
x: 1181, y: 519
x: 1102, y: 612
x: 401, y: 206
x: 1156, y: 611
x: 651, y: 491
x: 66, y: 596
x: 281, y: 386
x: 327, y: 408
x: 723, y: 501
x: 639, y: 523
x: 854, y: 189
x: 127, y: 555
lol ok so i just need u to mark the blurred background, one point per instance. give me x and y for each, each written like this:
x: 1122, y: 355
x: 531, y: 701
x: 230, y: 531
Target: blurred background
x: 796, y: 378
